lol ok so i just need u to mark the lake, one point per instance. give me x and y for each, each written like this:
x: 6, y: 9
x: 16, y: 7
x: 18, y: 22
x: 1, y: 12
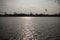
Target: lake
x: 29, y: 28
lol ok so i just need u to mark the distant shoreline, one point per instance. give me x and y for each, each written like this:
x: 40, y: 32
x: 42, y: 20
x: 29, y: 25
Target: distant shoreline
x: 29, y: 16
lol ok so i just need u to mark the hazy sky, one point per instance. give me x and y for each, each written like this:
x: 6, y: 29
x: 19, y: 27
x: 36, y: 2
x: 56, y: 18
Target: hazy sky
x: 35, y: 6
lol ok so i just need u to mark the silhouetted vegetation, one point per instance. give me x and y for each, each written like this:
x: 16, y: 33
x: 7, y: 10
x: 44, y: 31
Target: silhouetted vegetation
x: 30, y: 14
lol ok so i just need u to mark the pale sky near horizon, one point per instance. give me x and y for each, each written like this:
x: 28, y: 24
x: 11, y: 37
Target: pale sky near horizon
x: 26, y: 6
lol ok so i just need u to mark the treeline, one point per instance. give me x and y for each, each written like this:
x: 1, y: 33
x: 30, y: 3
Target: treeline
x: 31, y: 14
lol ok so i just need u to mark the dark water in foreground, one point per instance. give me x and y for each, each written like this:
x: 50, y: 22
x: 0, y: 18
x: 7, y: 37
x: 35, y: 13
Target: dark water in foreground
x: 29, y: 28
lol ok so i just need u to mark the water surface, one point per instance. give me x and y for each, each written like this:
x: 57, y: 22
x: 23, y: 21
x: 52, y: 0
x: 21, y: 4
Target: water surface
x: 29, y: 28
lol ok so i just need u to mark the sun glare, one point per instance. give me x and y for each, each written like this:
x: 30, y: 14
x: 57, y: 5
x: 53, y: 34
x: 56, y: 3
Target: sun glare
x: 27, y: 18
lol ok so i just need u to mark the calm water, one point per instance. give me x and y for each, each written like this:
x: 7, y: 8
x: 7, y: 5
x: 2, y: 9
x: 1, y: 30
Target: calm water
x: 29, y: 28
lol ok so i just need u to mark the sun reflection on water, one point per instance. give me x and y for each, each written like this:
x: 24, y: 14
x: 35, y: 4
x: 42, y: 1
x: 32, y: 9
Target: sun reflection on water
x: 28, y: 29
x: 27, y: 18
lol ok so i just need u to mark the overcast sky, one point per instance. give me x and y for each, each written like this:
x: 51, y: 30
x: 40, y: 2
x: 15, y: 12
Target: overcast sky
x: 35, y: 6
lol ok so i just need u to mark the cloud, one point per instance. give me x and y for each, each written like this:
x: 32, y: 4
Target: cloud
x: 57, y: 1
x: 29, y: 5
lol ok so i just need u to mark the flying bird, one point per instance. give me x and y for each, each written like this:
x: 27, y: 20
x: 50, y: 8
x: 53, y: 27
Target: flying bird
x: 46, y: 10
